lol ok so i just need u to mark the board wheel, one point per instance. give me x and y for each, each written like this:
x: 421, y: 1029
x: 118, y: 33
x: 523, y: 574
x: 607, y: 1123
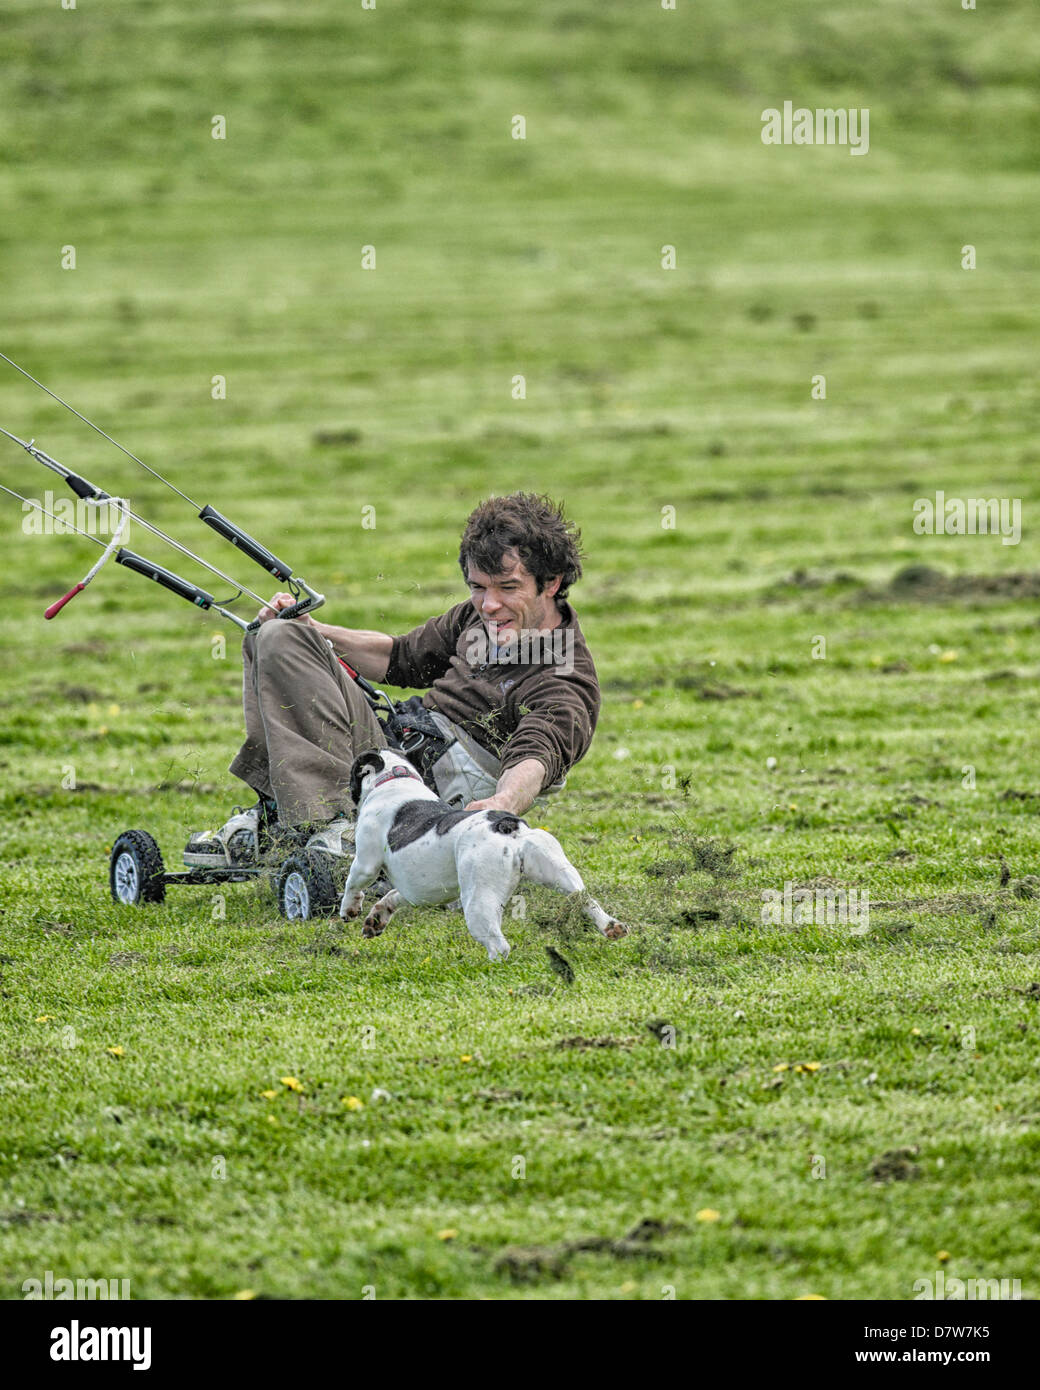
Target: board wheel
x: 306, y: 886
x: 135, y: 873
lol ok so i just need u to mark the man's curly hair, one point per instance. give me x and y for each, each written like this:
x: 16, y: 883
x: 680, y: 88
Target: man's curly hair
x: 535, y: 527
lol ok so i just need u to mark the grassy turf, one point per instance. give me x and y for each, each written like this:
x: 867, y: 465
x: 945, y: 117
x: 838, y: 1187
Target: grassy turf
x: 646, y: 389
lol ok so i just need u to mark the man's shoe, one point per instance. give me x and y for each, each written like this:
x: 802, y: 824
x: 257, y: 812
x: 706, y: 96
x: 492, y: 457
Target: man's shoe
x: 337, y: 837
x: 236, y: 845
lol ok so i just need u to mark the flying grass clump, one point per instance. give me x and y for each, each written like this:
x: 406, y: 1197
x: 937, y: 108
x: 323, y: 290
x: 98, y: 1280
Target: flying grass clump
x: 693, y: 853
x: 561, y: 918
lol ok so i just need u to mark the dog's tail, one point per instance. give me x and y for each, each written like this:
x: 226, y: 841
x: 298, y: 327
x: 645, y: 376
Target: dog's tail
x: 505, y: 823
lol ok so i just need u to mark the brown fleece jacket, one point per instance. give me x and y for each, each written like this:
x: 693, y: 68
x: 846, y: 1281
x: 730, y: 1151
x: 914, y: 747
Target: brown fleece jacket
x: 544, y: 707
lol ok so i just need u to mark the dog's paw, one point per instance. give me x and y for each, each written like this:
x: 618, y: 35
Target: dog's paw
x: 374, y: 924
x: 615, y: 931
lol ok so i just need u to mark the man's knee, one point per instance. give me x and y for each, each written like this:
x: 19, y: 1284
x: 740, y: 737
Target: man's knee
x: 278, y: 639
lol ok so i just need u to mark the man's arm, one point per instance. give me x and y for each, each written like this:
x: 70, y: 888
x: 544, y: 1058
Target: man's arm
x: 367, y: 652
x: 516, y: 790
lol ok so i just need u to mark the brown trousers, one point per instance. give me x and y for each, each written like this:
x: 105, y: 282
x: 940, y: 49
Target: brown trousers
x: 306, y: 722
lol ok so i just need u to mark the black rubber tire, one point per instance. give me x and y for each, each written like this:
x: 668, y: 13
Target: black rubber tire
x: 135, y: 870
x: 307, y: 887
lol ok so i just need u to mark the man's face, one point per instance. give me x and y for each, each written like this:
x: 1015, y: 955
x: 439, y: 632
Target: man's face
x: 509, y: 601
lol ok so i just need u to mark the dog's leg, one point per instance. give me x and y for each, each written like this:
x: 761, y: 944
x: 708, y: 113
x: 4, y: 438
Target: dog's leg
x: 488, y: 871
x: 544, y: 862
x: 482, y: 907
x: 376, y: 921
x: 368, y: 861
x: 611, y: 928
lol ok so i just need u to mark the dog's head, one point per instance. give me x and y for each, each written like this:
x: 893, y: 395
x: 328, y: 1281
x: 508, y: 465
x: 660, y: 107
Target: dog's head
x: 365, y: 767
x: 368, y: 766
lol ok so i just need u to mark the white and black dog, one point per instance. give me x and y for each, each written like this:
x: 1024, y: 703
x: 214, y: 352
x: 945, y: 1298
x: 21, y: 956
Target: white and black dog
x: 433, y: 854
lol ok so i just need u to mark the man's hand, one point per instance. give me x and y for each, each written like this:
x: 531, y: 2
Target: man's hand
x: 490, y: 803
x: 276, y: 605
x: 517, y: 788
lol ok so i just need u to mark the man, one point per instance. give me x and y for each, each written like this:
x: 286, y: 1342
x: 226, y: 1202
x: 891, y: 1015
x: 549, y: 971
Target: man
x: 510, y: 685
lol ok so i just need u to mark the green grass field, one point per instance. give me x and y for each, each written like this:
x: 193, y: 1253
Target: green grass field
x: 836, y: 1109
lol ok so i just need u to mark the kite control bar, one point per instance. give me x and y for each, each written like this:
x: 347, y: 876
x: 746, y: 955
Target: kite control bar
x: 307, y: 599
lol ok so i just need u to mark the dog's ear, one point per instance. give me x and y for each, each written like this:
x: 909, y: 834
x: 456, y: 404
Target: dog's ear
x: 363, y: 763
